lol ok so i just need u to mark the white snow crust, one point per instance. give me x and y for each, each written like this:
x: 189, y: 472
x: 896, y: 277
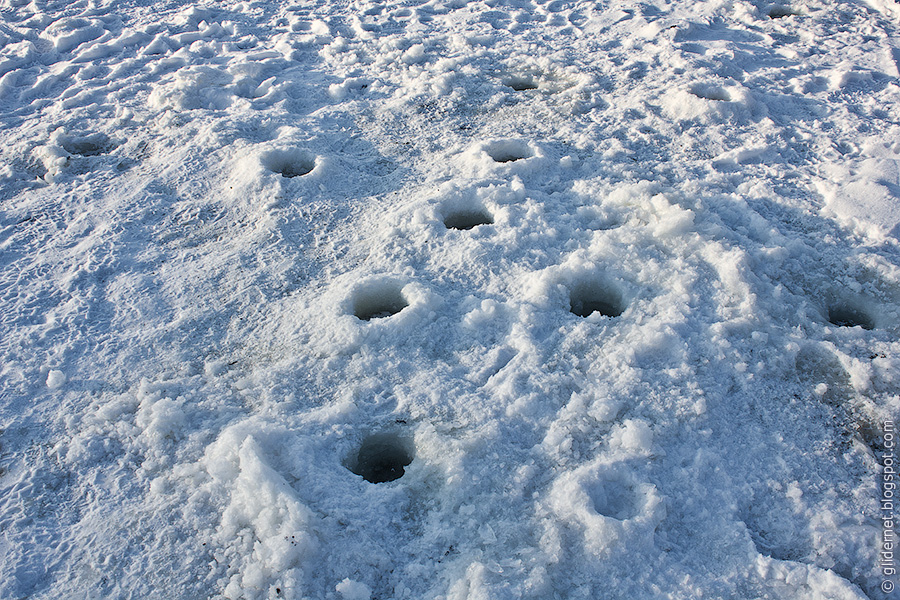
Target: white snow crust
x: 619, y: 280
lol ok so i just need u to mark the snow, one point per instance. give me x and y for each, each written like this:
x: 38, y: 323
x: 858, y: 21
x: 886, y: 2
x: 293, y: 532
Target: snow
x: 353, y: 590
x: 860, y: 194
x: 55, y: 378
x: 445, y: 300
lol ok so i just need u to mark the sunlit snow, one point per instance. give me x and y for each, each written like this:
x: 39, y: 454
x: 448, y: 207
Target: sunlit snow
x: 448, y: 300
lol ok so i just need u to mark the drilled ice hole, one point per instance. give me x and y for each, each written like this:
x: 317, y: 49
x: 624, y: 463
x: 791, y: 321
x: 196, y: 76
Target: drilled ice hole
x: 614, y: 496
x: 92, y: 145
x: 467, y: 218
x: 289, y: 163
x: 505, y: 151
x: 379, y: 300
x: 843, y: 315
x: 778, y: 12
x: 588, y: 298
x: 382, y: 457
x: 520, y: 84
x: 710, y: 92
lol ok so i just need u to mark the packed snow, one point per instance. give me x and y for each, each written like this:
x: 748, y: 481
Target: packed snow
x: 448, y: 300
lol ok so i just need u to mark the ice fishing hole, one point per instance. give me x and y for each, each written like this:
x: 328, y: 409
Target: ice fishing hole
x: 382, y: 457
x: 710, y: 92
x: 290, y: 163
x: 520, y: 84
x: 379, y: 300
x: 467, y: 219
x: 614, y: 496
x: 508, y: 151
x: 92, y: 145
x: 778, y: 12
x: 588, y: 298
x: 848, y: 316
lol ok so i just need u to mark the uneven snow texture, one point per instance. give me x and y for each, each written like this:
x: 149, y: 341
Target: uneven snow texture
x: 237, y: 239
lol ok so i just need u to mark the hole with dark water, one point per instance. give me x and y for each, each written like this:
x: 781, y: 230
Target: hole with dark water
x: 379, y: 300
x: 382, y: 457
x: 586, y: 299
x: 848, y: 316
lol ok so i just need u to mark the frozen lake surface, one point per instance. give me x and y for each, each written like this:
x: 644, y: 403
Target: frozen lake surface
x: 449, y: 300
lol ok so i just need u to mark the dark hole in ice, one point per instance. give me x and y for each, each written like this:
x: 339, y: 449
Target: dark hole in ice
x: 503, y: 156
x: 585, y: 300
x: 846, y: 316
x: 521, y: 84
x: 467, y: 219
x: 378, y: 301
x: 778, y: 12
x: 508, y: 151
x: 382, y: 457
x: 295, y: 169
x: 588, y: 307
x: 290, y: 163
x: 92, y: 145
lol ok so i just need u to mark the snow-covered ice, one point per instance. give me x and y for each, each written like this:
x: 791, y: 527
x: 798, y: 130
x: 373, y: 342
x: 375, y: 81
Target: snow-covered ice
x: 447, y: 300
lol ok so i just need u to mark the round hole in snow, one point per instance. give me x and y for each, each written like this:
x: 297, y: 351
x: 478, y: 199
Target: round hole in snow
x: 848, y: 316
x: 615, y: 497
x: 92, y: 145
x: 588, y: 298
x: 289, y: 163
x: 378, y: 300
x: 467, y: 219
x: 520, y: 84
x: 382, y: 457
x: 505, y: 151
x: 778, y: 12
